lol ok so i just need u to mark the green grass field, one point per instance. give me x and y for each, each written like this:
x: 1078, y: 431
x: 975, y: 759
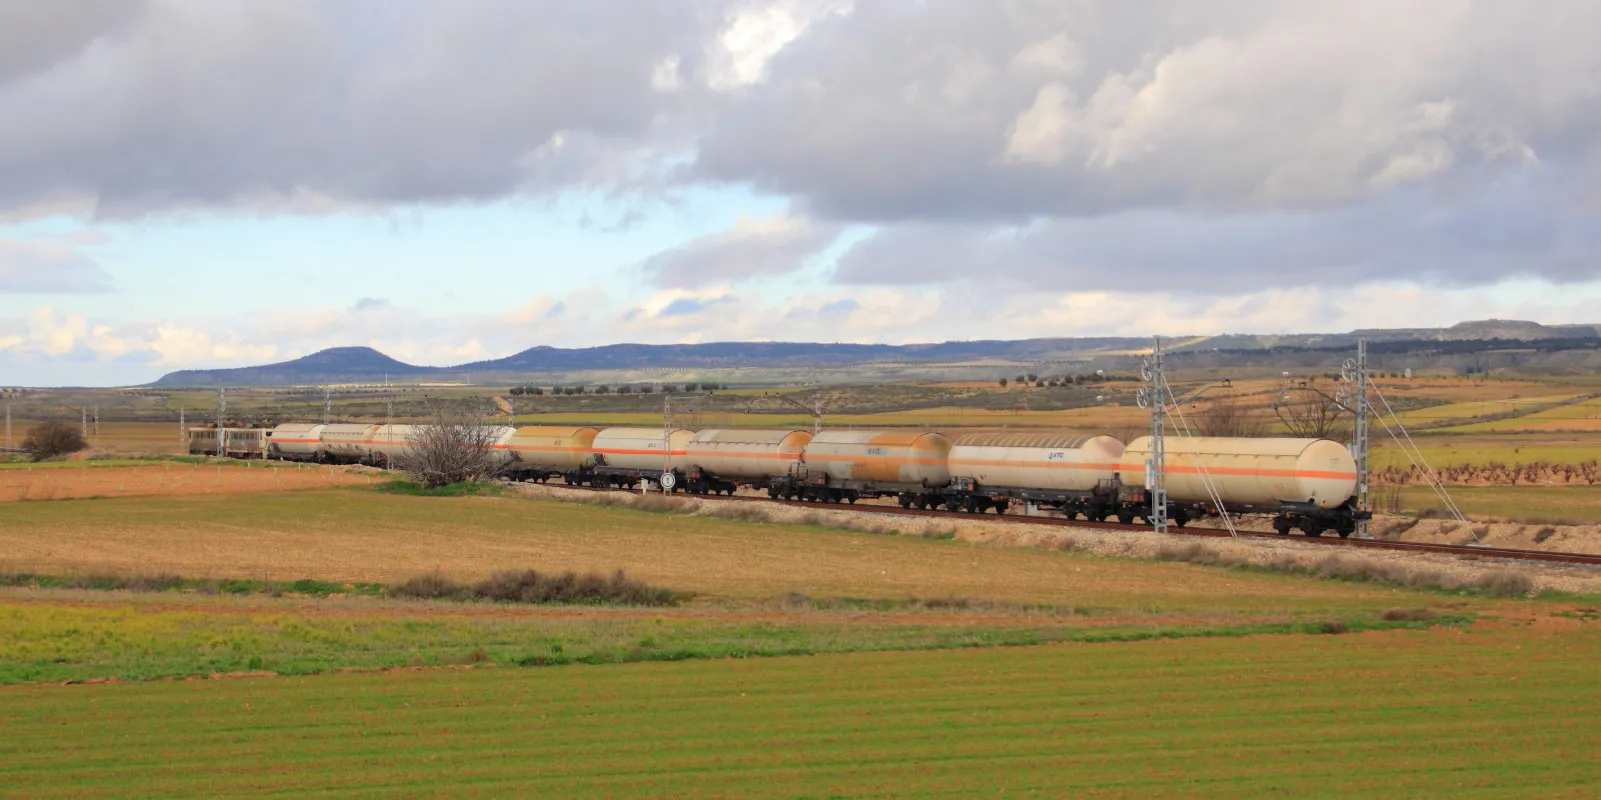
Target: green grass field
x: 1504, y: 713
x: 1580, y: 505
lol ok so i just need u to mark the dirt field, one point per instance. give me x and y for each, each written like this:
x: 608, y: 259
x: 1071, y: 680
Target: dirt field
x: 68, y: 481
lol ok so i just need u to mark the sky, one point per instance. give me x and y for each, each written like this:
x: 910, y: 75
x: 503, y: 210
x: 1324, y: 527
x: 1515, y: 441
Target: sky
x: 217, y: 183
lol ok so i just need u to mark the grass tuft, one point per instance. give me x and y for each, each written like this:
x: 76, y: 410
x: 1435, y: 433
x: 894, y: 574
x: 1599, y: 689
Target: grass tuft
x: 448, y: 490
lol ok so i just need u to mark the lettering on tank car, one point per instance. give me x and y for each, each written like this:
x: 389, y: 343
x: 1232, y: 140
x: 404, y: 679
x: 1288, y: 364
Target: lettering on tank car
x: 875, y: 451
x: 1056, y: 456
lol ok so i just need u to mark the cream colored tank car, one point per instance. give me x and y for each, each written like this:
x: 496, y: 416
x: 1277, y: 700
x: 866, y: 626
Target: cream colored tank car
x: 296, y: 440
x: 1249, y: 472
x: 1053, y: 461
x: 555, y: 447
x: 347, y: 441
x: 390, y: 441
x: 904, y: 457
x: 640, y: 448
x: 735, y: 453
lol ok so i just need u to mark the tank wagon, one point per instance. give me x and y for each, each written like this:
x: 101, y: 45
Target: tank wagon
x: 542, y: 452
x: 624, y: 456
x: 1308, y: 484
x: 390, y: 442
x: 722, y: 460
x: 295, y: 441
x: 1076, y: 474
x: 346, y: 443
x: 850, y: 465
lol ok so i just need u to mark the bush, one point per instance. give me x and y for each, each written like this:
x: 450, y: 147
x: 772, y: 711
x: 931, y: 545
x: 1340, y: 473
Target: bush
x: 1408, y: 615
x: 532, y: 586
x: 53, y: 439
x: 1544, y: 533
x: 1502, y: 583
x: 432, y: 586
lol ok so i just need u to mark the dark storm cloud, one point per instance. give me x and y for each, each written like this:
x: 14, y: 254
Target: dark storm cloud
x: 40, y: 267
x: 309, y: 106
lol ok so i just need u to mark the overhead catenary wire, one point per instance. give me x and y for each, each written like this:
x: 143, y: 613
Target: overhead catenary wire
x: 1212, y: 492
x: 1410, y: 447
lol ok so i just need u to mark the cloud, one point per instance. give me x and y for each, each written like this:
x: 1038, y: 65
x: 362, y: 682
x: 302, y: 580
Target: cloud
x: 752, y: 248
x: 1431, y: 233
x: 307, y: 107
x: 969, y: 111
x: 38, y: 266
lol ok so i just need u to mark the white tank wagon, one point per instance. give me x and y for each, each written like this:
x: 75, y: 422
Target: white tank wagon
x: 625, y: 455
x: 390, y: 442
x: 346, y: 443
x: 1076, y: 473
x: 295, y: 441
x: 847, y: 465
x: 1307, y: 483
x: 723, y: 459
x: 542, y: 452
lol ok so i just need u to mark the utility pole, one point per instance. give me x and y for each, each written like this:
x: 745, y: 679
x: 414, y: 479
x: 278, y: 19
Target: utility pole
x: 222, y: 416
x: 1155, y: 395
x: 1357, y: 373
x: 97, y: 426
x: 327, y: 404
x: 183, y: 431
x: 9, y: 443
x: 83, y: 422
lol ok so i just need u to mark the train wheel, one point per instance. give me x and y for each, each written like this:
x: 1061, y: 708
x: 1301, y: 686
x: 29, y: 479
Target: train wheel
x: 906, y: 502
x: 1125, y: 517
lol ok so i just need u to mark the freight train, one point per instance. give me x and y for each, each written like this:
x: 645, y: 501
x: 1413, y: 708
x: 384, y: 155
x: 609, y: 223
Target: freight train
x: 1305, y: 484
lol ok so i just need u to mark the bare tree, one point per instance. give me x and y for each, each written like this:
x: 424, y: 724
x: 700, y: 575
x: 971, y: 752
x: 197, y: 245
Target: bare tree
x: 1226, y: 416
x: 454, y: 444
x: 1311, y: 414
x: 53, y: 439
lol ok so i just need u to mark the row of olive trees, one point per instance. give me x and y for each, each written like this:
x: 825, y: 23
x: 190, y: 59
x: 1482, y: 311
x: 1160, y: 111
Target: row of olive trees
x: 666, y: 388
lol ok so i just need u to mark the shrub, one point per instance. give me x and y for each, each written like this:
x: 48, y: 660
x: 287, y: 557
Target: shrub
x: 1191, y: 552
x: 531, y: 586
x: 1544, y: 533
x: 432, y: 586
x: 1503, y: 583
x: 1408, y: 615
x: 52, y: 440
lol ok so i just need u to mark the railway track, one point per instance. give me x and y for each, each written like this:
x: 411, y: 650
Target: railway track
x: 1470, y: 551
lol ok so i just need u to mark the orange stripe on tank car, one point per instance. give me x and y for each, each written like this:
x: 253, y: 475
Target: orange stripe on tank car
x: 1035, y: 464
x: 1244, y: 471
x: 638, y: 452
x: 880, y: 459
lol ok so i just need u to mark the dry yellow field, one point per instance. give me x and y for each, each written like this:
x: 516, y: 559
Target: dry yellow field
x: 348, y: 535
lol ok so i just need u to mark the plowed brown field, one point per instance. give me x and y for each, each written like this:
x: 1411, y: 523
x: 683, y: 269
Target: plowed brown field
x: 64, y: 483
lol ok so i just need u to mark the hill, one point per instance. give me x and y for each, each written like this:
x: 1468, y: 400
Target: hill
x: 364, y: 364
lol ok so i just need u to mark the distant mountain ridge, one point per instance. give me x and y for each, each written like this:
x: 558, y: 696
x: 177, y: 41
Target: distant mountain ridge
x: 364, y: 364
